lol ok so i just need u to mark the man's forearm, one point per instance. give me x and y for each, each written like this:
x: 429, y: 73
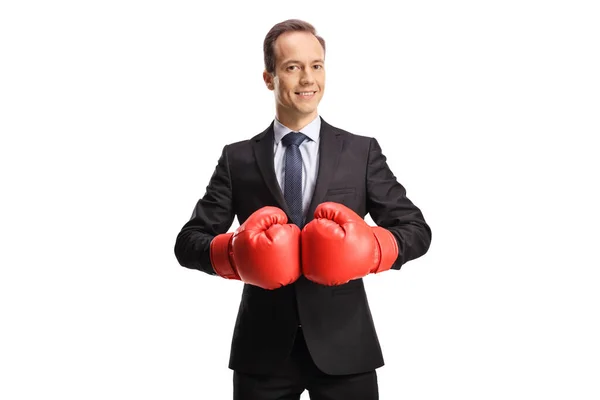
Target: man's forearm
x: 413, y: 241
x: 192, y: 250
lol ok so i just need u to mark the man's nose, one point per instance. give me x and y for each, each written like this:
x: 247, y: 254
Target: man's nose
x: 306, y: 77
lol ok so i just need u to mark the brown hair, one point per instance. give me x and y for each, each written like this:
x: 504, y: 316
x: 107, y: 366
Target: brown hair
x: 290, y: 25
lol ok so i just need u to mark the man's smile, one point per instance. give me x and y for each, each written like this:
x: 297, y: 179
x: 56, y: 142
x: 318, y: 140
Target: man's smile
x: 306, y: 94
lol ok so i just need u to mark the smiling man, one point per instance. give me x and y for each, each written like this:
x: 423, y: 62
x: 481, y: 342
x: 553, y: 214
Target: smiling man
x: 301, y: 189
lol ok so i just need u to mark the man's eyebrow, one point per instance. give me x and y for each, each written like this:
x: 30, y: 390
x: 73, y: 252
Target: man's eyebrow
x: 319, y: 60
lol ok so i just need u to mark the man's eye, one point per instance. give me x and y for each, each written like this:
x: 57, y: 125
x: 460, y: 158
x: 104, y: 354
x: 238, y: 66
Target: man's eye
x: 317, y: 66
x: 292, y: 67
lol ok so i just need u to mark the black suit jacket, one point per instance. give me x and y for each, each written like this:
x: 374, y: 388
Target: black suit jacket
x: 336, y: 321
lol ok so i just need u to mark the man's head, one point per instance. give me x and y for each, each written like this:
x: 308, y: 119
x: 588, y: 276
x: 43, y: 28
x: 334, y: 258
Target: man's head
x: 295, y: 70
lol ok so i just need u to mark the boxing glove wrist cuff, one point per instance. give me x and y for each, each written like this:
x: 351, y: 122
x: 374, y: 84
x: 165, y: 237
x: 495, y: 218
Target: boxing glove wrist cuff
x: 220, y: 256
x: 388, y: 247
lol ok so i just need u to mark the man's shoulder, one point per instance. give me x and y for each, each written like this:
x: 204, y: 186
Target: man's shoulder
x: 245, y: 143
x: 358, y: 137
x: 326, y: 128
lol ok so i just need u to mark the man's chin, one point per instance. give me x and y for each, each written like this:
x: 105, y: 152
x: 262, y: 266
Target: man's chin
x: 306, y: 111
x: 308, y: 114
x: 301, y: 112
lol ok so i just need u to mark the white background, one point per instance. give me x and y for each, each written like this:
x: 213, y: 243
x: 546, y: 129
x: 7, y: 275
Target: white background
x: 487, y: 112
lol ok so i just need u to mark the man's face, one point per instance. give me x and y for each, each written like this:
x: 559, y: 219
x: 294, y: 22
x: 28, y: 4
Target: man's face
x: 299, y: 78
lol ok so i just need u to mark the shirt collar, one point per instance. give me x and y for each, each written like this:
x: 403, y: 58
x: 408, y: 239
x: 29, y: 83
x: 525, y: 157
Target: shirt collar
x: 311, y: 130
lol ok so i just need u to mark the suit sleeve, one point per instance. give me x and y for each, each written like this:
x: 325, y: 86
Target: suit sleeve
x: 391, y: 209
x: 213, y: 215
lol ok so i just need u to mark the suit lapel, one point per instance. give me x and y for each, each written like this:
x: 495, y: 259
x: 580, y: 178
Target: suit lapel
x: 263, y: 151
x: 330, y: 147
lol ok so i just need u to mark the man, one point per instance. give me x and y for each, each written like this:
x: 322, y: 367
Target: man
x: 300, y: 190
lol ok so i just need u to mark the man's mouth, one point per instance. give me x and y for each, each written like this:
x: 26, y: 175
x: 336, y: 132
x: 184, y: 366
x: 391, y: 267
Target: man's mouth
x: 306, y: 94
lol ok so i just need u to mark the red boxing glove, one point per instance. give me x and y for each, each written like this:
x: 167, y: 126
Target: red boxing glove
x: 339, y: 246
x: 264, y: 251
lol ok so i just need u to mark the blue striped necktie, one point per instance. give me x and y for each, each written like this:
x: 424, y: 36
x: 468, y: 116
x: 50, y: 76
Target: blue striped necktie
x: 293, y: 175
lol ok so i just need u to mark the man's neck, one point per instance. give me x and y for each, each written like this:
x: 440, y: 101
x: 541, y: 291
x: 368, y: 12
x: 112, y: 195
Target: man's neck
x: 296, y: 123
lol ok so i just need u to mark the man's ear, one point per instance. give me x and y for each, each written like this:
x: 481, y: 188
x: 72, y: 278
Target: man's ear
x: 268, y: 78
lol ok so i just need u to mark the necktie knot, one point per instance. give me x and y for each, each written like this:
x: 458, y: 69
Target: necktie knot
x: 294, y: 139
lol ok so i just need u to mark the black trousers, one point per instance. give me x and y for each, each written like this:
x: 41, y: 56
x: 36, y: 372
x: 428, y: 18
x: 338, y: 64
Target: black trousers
x: 300, y: 373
